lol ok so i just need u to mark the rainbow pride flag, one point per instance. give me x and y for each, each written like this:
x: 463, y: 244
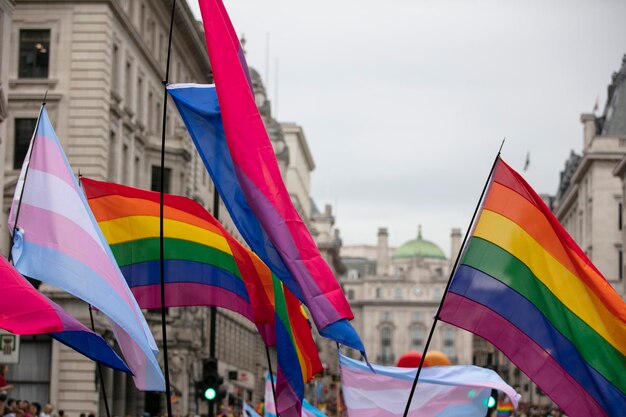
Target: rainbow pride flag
x: 525, y: 286
x: 204, y: 266
x: 504, y: 408
x: 197, y: 254
x: 252, y: 174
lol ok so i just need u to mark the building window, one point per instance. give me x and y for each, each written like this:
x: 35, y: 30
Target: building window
x: 620, y: 265
x: 350, y: 294
x: 417, y: 337
x: 448, y: 343
x: 128, y: 87
x: 385, y: 316
x: 417, y: 317
x: 24, y: 129
x: 386, y: 344
x: 620, y: 219
x: 34, y: 53
x: 31, y: 376
x: 115, y: 69
x: 379, y: 292
x: 156, y: 179
x: 398, y: 293
x: 112, y: 151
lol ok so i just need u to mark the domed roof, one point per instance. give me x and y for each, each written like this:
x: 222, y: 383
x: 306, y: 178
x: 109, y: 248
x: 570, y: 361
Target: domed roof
x: 419, y: 246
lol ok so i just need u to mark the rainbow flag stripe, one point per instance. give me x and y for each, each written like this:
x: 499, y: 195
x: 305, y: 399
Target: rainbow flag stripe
x: 197, y: 252
x: 204, y: 265
x: 524, y: 285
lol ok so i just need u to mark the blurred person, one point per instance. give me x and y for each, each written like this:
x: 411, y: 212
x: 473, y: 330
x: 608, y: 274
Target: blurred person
x: 47, y: 410
x: 4, y: 385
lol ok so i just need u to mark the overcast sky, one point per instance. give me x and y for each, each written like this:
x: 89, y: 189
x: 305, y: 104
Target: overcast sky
x: 404, y: 103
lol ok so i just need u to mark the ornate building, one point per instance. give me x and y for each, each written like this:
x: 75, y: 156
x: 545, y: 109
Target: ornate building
x: 394, y: 294
x: 101, y: 63
x: 590, y: 198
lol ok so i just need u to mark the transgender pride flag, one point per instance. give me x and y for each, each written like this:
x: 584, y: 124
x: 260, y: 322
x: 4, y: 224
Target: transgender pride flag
x: 442, y: 391
x: 57, y: 241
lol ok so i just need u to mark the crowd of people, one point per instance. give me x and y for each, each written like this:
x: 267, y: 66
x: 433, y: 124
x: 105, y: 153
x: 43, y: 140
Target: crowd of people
x: 531, y: 410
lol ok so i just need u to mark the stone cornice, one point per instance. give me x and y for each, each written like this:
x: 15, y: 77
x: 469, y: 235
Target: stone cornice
x: 184, y: 24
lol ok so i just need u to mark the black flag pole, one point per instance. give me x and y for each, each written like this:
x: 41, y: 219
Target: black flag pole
x: 269, y: 365
x: 456, y: 264
x: 27, y: 161
x: 161, y: 242
x: 100, y: 374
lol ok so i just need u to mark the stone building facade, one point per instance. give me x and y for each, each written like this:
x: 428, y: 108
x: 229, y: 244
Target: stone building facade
x: 102, y: 63
x: 395, y: 292
x: 590, y: 199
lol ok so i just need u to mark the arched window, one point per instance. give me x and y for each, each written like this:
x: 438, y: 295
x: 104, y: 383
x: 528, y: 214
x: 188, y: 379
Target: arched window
x: 448, y: 342
x: 386, y: 345
x: 417, y: 337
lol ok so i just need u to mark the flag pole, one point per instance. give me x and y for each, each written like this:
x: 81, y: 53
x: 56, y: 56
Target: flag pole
x: 456, y: 264
x: 104, y: 392
x: 161, y: 198
x: 213, y: 309
x: 30, y: 154
x: 269, y: 364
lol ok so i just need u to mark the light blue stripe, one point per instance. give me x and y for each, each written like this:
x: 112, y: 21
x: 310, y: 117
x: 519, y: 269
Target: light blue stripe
x: 64, y: 272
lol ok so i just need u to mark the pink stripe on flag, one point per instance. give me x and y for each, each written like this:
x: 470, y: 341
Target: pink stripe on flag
x: 70, y: 240
x: 258, y: 173
x: 520, y: 349
x: 181, y: 294
x: 46, y: 158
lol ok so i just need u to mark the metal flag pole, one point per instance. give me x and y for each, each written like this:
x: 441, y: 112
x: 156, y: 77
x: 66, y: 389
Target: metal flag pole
x: 27, y: 161
x: 456, y: 263
x: 269, y: 365
x: 213, y: 309
x: 100, y: 374
x: 161, y: 242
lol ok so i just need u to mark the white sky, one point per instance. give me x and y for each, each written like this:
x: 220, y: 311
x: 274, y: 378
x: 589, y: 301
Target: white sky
x: 405, y: 102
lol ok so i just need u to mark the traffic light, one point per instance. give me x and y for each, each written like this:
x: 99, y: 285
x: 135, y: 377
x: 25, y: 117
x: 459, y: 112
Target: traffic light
x: 209, y: 388
x: 491, y: 402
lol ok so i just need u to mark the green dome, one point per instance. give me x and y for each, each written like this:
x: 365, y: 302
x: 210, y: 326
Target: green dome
x: 419, y: 246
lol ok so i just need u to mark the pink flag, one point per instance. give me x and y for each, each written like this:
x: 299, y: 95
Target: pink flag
x: 257, y: 175
x: 59, y: 242
x: 442, y: 391
x: 24, y: 310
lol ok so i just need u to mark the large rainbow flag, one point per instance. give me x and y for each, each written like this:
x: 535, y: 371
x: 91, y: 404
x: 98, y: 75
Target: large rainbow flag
x: 200, y: 266
x: 255, y: 176
x: 204, y: 265
x: 59, y: 242
x: 525, y: 286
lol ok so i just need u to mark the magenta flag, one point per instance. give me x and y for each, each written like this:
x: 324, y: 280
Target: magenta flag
x: 258, y: 176
x: 24, y: 310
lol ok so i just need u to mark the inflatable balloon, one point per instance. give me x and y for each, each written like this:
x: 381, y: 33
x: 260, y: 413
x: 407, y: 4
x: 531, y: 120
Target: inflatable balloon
x: 436, y: 358
x: 410, y: 360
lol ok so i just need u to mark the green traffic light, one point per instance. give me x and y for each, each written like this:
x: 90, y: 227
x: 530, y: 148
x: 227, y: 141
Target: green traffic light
x: 210, y: 394
x: 490, y: 402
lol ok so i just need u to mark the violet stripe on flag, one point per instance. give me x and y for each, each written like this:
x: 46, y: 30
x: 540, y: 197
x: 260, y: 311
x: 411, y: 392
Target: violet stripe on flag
x: 61, y: 244
x: 525, y: 286
x: 258, y: 175
x: 200, y: 110
x: 460, y: 391
x: 24, y: 310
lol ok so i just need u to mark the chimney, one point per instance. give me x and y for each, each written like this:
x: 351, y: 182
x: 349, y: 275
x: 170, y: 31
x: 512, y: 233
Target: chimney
x: 382, y: 261
x: 455, y: 243
x: 589, y: 129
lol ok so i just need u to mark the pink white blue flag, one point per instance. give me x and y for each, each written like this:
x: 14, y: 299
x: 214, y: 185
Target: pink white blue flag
x: 442, y: 391
x: 57, y: 241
